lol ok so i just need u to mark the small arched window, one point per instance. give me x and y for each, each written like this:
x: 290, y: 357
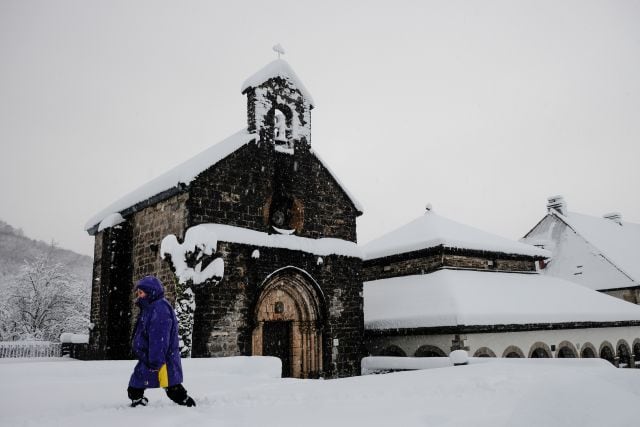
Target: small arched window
x: 539, y: 353
x: 280, y: 130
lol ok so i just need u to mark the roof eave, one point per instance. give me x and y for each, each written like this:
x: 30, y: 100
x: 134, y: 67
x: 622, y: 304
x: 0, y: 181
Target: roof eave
x: 178, y: 189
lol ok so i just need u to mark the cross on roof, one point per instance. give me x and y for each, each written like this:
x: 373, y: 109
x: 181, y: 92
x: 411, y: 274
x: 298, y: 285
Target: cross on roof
x: 278, y: 49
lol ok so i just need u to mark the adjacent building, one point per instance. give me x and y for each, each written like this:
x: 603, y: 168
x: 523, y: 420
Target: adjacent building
x: 600, y: 253
x: 435, y: 285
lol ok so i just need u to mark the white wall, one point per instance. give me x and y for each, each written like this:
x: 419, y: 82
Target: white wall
x: 411, y: 343
x: 498, y: 342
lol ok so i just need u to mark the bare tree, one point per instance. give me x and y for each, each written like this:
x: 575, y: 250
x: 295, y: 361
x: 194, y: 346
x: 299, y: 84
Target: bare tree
x: 44, y: 301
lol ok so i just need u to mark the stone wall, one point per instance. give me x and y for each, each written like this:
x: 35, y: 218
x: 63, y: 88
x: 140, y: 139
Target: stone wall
x: 428, y: 260
x: 234, y: 191
x: 240, y: 189
x: 97, y: 304
x: 225, y: 315
x: 149, y: 227
x: 110, y: 313
x: 280, y: 94
x: 631, y: 295
x: 488, y: 262
x: 419, y: 262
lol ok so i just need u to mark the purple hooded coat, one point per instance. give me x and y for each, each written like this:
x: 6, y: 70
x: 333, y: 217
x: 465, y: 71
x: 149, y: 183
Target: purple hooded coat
x: 155, y: 340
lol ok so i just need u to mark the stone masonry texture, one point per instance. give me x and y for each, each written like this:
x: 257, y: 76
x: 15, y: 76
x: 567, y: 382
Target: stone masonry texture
x: 428, y: 260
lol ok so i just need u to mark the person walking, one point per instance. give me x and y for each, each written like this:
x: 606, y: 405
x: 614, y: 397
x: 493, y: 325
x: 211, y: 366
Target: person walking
x: 155, y: 343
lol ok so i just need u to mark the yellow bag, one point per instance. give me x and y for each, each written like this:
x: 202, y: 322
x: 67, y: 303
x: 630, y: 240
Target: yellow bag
x: 163, y: 376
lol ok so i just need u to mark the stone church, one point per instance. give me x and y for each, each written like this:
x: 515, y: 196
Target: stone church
x: 280, y: 230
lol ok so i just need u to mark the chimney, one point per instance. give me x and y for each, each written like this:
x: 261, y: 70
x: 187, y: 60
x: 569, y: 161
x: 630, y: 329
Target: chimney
x: 557, y: 203
x: 614, y: 216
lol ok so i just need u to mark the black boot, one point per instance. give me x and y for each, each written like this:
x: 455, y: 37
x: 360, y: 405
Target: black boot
x: 137, y: 397
x: 189, y: 402
x: 178, y: 394
x: 137, y: 402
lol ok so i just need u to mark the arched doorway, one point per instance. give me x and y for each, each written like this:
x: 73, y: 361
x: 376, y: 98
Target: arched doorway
x: 636, y: 352
x: 513, y: 352
x: 588, y: 351
x: 393, y: 351
x: 288, y: 319
x: 429, y: 351
x: 484, y: 352
x: 566, y: 350
x: 624, y: 354
x: 566, y: 353
x: 606, y: 353
x: 540, y: 350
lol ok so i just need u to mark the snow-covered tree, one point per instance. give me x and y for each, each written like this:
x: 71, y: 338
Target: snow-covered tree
x: 43, y: 301
x: 195, y: 264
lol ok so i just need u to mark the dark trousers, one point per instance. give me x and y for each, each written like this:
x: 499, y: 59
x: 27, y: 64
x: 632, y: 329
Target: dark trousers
x: 177, y: 393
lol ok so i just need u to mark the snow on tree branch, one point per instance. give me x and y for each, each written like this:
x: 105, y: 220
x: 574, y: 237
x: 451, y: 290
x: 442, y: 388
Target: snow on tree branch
x: 193, y: 259
x: 43, y: 301
x: 194, y: 263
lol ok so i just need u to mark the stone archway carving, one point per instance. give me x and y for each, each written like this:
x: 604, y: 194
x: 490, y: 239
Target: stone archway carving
x: 291, y: 301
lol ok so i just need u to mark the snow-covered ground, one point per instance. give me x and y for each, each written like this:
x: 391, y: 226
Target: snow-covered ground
x: 247, y: 392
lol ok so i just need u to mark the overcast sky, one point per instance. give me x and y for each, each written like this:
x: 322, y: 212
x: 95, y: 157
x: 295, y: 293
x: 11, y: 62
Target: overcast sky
x: 482, y: 109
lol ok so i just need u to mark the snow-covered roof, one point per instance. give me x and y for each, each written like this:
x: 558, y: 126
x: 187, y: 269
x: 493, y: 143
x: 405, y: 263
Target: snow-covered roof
x: 431, y: 230
x: 110, y: 221
x: 479, y: 298
x: 228, y: 233
x: 181, y: 174
x: 187, y: 172
x: 277, y: 68
x: 617, y: 242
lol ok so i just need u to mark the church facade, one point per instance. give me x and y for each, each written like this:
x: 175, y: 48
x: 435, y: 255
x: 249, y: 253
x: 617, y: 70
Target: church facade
x: 281, y: 273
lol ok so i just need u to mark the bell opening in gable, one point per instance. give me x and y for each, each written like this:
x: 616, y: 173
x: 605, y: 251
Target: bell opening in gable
x: 282, y: 132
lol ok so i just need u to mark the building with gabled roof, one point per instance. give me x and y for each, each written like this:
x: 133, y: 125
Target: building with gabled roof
x: 254, y: 239
x: 601, y: 253
x: 435, y: 285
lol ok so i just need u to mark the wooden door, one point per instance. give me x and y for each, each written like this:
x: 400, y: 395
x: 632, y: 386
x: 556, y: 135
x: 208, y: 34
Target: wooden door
x: 276, y: 341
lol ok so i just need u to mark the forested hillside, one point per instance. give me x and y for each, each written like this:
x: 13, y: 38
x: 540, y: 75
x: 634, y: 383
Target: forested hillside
x: 16, y: 249
x: 44, y: 290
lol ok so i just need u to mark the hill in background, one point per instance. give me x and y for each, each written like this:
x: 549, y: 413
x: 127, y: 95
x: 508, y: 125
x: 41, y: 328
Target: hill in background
x: 16, y: 249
